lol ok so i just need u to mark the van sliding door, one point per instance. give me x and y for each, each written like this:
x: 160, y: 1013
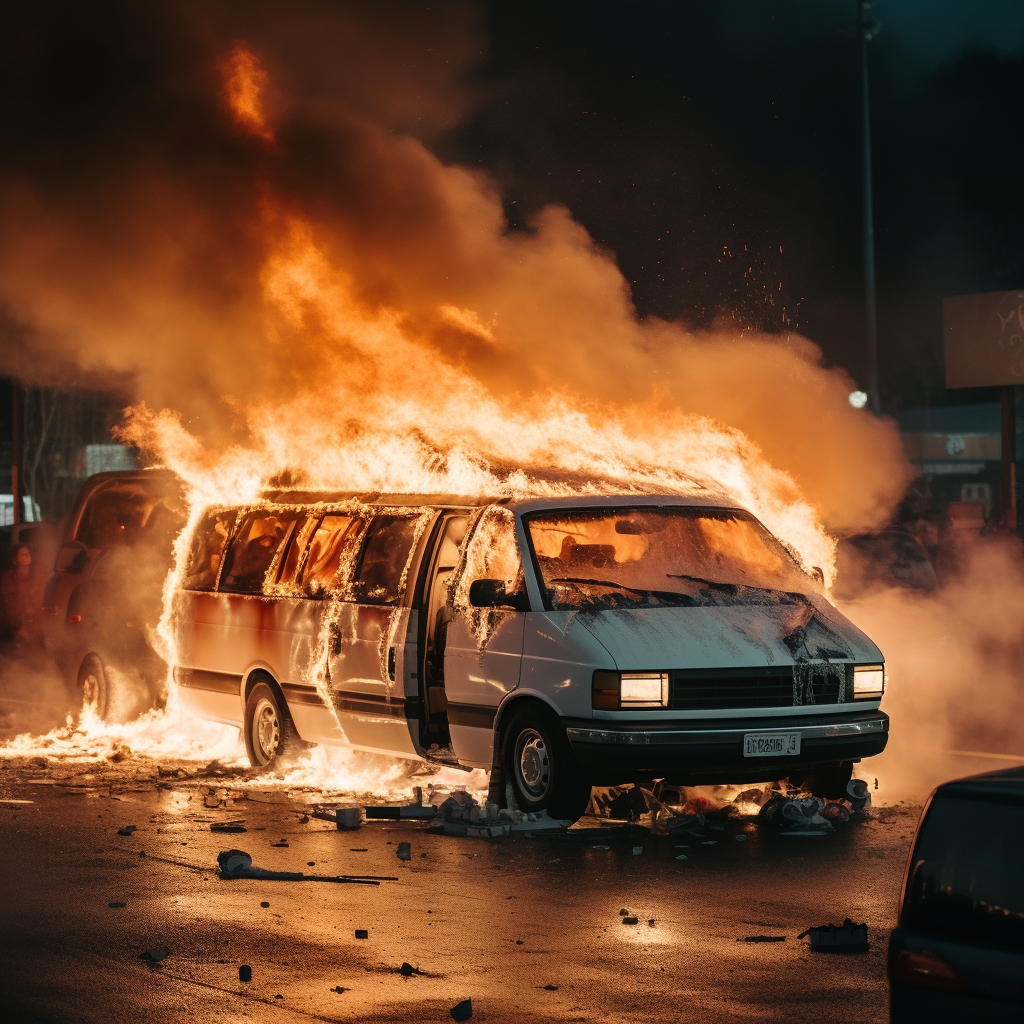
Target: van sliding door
x: 370, y: 674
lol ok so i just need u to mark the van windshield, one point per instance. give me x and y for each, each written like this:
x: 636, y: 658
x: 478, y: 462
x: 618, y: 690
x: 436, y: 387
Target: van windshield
x: 659, y: 557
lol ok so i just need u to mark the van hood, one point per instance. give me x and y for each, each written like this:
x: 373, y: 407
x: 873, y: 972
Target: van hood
x: 794, y: 628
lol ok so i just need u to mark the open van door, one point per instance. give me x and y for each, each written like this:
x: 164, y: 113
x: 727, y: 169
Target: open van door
x: 483, y: 647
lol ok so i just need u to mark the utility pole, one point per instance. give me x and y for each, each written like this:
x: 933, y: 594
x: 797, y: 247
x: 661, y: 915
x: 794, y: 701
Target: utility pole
x: 18, y: 450
x: 867, y: 29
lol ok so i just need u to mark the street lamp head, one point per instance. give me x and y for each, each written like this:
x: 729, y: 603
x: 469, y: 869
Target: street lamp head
x: 858, y: 399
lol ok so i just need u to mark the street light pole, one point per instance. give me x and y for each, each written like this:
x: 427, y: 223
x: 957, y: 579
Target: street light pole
x: 867, y: 29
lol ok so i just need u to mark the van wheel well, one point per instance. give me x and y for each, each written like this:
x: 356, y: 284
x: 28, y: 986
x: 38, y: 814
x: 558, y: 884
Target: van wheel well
x: 260, y: 675
x: 512, y: 707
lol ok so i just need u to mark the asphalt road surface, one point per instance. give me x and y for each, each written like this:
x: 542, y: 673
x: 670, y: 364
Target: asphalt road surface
x: 529, y: 928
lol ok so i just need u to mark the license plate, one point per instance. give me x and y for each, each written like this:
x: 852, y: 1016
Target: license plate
x: 771, y: 744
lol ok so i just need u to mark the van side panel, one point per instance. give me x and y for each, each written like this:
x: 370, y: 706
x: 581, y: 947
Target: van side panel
x: 371, y: 704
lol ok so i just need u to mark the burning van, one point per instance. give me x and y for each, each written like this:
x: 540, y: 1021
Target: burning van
x: 558, y: 642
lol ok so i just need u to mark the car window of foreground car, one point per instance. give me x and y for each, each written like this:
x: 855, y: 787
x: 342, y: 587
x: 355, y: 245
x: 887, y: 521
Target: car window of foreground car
x: 966, y: 880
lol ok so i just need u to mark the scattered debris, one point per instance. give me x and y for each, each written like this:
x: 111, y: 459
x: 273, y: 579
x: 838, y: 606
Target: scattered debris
x: 637, y: 850
x: 227, y: 826
x: 362, y: 933
x: 550, y: 988
x: 120, y: 753
x: 127, y: 830
x: 348, y: 819
x: 623, y: 912
x: 463, y: 1010
x: 682, y: 856
x: 858, y: 794
x: 154, y: 956
x: 407, y: 970
x: 245, y: 973
x: 279, y: 845
x: 117, y: 904
x: 763, y: 938
x: 264, y: 904
x: 631, y: 920
x: 845, y: 938
x: 650, y: 923
x: 400, y: 813
x: 404, y: 851
x: 339, y: 989
x: 238, y: 864
x: 740, y: 837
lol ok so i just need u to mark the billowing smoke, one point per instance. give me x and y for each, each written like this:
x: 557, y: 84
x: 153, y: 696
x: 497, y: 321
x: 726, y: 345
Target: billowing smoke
x: 953, y: 658
x: 237, y: 216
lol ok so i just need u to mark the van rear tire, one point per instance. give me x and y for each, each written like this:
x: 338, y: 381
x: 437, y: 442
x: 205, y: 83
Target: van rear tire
x: 94, y: 687
x: 541, y: 767
x: 269, y: 733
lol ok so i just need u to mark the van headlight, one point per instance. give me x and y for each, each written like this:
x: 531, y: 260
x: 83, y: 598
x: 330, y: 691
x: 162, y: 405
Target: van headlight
x: 868, y: 682
x: 614, y: 691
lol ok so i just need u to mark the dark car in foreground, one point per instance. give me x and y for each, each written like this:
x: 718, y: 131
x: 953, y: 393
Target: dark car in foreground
x: 958, y: 953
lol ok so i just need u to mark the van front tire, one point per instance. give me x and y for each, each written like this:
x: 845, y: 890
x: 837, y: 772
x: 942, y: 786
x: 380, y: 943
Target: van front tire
x: 541, y: 767
x: 269, y: 733
x: 93, y: 686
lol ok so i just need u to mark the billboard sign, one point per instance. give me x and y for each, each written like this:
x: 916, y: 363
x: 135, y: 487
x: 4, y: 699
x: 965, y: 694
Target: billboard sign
x: 984, y: 335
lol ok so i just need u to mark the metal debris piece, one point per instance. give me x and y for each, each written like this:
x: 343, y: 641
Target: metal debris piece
x: 623, y: 912
x: 117, y: 904
x: 127, y: 830
x: 238, y: 864
x: 763, y: 938
x: 154, y: 956
x: 550, y: 988
x: 407, y: 970
x: 227, y: 826
x: 637, y: 850
x: 245, y: 973
x: 845, y: 938
x: 404, y: 851
x: 631, y: 920
x: 348, y: 819
x: 463, y: 1010
x: 362, y: 933
x: 399, y: 813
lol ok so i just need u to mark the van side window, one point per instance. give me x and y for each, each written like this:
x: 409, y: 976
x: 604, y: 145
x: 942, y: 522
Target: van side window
x: 207, y: 548
x: 380, y: 578
x: 252, y: 551
x: 330, y: 552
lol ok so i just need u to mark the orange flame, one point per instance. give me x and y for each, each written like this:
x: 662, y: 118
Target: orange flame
x: 244, y: 80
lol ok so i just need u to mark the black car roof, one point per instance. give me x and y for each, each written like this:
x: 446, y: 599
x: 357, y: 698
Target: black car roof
x: 1008, y: 782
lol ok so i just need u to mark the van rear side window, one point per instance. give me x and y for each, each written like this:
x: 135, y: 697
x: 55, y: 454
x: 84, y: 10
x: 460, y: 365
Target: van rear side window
x: 381, y: 575
x: 114, y: 515
x: 260, y: 537
x: 330, y: 553
x: 207, y: 549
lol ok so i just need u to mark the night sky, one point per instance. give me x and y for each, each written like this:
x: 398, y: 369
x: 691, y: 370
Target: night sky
x: 715, y: 148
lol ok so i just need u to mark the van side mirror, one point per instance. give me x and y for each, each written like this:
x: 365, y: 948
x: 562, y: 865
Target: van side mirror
x: 71, y: 557
x: 491, y: 594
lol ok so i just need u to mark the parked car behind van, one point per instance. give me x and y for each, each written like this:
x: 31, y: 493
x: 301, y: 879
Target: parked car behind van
x: 560, y: 643
x: 104, y: 596
x: 958, y: 953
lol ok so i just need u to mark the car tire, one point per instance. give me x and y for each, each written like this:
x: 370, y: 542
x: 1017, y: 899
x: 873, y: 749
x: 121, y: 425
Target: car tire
x: 540, y: 765
x: 269, y: 733
x: 93, y: 686
x: 829, y: 783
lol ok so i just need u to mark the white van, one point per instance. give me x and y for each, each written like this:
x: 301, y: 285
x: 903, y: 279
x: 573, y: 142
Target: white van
x: 559, y: 643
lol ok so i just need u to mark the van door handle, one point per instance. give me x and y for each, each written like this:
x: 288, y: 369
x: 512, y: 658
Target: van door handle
x: 391, y: 664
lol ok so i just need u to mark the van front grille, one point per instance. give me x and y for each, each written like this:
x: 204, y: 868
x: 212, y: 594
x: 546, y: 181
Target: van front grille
x: 724, y: 688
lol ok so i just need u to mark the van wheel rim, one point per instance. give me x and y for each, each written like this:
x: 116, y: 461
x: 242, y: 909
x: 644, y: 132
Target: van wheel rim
x: 533, y: 762
x: 91, y: 691
x: 266, y: 730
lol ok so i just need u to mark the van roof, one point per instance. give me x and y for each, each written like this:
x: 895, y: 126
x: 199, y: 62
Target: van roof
x: 521, y: 505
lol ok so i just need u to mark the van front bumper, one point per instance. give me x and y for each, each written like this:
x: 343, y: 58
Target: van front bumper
x: 711, y: 750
